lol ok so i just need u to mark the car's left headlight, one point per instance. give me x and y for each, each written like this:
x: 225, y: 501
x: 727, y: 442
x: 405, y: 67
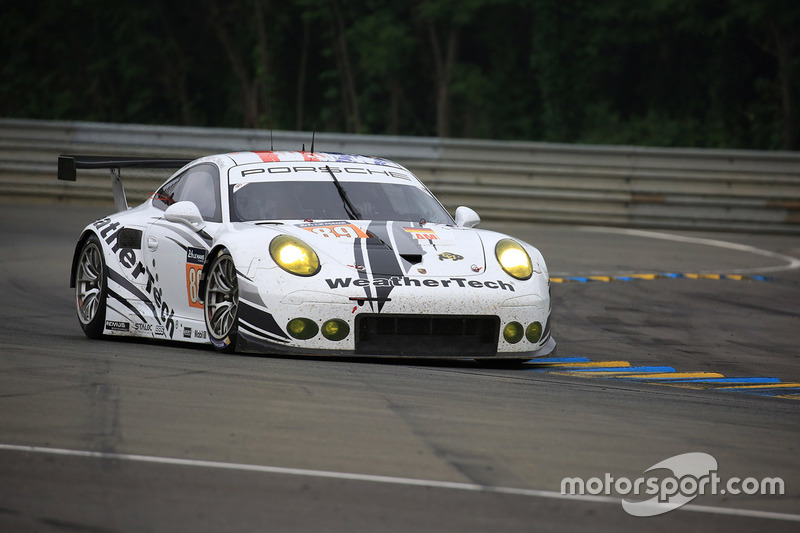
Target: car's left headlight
x: 514, y: 259
x: 293, y: 255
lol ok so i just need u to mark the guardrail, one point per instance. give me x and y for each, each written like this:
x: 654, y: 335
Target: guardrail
x: 603, y: 185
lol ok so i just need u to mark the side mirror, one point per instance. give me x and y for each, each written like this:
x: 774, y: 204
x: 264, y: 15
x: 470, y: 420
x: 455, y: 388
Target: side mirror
x: 466, y: 217
x: 185, y: 213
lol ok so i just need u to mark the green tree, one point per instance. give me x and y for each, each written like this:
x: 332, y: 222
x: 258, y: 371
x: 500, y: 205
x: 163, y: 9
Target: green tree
x: 385, y: 46
x: 774, y: 27
x: 441, y: 24
x: 704, y: 73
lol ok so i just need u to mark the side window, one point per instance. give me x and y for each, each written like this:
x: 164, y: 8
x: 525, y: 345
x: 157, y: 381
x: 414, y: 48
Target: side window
x: 165, y: 196
x: 200, y: 185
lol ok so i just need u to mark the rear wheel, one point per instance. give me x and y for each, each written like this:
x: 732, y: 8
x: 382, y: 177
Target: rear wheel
x: 221, y: 301
x: 91, y: 288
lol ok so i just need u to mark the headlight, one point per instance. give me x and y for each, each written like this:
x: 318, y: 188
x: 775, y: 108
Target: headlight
x: 293, y: 255
x: 512, y: 333
x: 534, y: 332
x: 335, y: 329
x: 513, y: 258
x: 302, y: 328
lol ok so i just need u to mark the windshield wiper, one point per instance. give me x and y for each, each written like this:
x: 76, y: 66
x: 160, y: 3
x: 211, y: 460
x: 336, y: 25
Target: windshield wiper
x: 348, y: 206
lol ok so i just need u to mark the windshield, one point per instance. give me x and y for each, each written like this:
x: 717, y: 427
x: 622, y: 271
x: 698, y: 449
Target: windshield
x: 319, y: 200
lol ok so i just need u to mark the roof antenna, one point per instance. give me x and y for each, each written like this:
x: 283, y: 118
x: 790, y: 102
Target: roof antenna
x: 313, y: 133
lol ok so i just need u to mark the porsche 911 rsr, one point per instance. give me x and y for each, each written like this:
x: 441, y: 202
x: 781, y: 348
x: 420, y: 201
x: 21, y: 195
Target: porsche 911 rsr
x: 306, y: 253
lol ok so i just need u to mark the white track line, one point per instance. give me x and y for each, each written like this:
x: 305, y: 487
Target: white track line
x: 793, y: 262
x: 412, y: 482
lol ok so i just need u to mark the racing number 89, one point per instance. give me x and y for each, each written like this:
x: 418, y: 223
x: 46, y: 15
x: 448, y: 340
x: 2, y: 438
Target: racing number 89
x: 348, y: 231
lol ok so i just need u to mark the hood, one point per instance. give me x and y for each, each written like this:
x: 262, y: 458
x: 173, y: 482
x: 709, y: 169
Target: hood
x: 395, y: 248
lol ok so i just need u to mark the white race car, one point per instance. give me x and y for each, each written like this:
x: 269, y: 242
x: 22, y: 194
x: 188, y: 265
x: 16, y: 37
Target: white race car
x: 306, y: 253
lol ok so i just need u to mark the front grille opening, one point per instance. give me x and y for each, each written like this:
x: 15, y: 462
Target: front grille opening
x: 427, y: 335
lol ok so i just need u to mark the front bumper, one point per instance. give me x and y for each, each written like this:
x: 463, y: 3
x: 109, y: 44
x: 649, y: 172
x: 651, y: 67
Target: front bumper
x: 455, y: 321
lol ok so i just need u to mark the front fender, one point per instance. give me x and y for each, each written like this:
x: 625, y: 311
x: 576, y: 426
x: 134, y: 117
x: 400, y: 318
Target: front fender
x: 73, y: 272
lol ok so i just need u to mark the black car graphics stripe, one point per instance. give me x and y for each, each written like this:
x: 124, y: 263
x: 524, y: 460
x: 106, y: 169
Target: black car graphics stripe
x: 248, y: 293
x: 166, y: 321
x: 179, y: 243
x: 250, y: 329
x: 241, y: 274
x: 189, y: 237
x: 133, y: 289
x: 125, y: 301
x: 358, y: 257
x: 384, y: 262
x: 261, y: 319
x: 405, y: 244
x: 546, y: 333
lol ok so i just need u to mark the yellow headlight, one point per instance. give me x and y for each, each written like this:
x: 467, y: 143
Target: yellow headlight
x: 513, y: 258
x: 293, y: 255
x: 512, y: 333
x: 302, y: 328
x: 335, y: 329
x: 534, y: 332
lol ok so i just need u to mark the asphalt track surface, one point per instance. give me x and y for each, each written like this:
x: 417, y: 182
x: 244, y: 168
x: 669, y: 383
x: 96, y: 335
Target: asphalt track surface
x: 116, y: 435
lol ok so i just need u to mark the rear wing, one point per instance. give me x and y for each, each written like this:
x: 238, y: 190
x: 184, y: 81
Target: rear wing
x: 68, y: 166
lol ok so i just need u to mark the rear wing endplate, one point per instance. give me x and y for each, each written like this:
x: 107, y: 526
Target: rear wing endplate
x: 68, y: 166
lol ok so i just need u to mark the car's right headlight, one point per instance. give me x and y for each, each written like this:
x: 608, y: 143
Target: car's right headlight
x: 513, y: 258
x: 294, y: 256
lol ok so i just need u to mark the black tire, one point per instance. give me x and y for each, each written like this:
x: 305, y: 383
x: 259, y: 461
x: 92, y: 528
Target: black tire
x: 221, y: 302
x: 91, y: 288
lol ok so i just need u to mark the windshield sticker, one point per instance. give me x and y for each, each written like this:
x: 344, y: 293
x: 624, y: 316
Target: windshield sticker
x: 335, y: 229
x: 327, y: 169
x: 239, y: 186
x: 268, y: 157
x: 272, y: 156
x: 422, y: 234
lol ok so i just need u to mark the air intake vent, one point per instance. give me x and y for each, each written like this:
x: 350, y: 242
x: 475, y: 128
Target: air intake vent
x: 412, y: 258
x: 427, y: 335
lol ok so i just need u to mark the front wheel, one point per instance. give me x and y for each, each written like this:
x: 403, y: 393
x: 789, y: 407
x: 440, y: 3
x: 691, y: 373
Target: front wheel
x: 91, y: 288
x: 221, y: 301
